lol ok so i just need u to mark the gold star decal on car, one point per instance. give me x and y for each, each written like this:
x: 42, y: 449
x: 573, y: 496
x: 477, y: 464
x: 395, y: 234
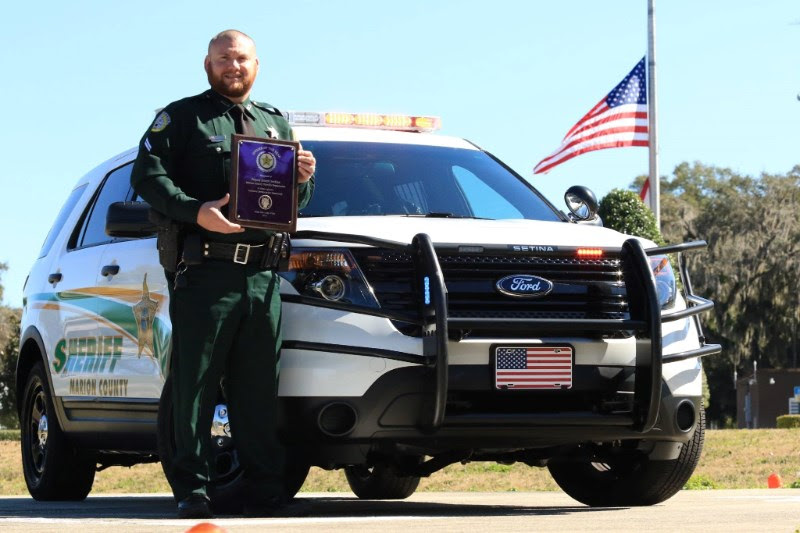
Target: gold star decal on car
x: 145, y: 313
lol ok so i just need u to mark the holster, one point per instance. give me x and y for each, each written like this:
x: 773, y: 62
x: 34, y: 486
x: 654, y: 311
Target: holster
x: 193, y: 249
x: 169, y: 239
x: 277, y: 253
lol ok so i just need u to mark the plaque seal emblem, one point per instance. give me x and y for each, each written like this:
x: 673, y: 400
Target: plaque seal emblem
x: 264, y: 202
x: 266, y: 161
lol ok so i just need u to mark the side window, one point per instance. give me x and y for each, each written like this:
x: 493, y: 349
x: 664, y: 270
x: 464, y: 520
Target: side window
x: 484, y: 201
x: 116, y: 188
x: 66, y: 209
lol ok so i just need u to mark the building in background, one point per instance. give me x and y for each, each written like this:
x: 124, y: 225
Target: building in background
x: 766, y: 395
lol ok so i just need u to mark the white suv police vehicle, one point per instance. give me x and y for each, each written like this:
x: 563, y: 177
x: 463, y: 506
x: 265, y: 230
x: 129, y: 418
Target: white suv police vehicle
x: 436, y: 309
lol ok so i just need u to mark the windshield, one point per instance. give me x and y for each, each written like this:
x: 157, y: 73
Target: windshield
x: 361, y: 178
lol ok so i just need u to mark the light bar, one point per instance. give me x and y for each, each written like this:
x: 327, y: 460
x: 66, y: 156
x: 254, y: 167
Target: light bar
x: 363, y: 120
x: 590, y: 253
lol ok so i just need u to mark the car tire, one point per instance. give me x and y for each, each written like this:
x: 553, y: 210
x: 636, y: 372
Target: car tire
x: 227, y: 485
x: 380, y: 483
x: 54, y: 470
x: 630, y: 480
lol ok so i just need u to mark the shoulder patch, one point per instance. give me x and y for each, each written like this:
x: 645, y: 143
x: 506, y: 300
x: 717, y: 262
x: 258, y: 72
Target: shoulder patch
x: 161, y: 122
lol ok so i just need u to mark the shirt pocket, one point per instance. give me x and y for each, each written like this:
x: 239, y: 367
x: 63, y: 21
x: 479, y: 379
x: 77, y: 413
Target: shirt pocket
x: 208, y: 166
x: 218, y: 154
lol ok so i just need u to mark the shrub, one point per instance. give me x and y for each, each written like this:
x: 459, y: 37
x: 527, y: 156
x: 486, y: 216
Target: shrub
x: 788, y: 421
x: 699, y: 482
x: 9, y: 434
x: 624, y: 211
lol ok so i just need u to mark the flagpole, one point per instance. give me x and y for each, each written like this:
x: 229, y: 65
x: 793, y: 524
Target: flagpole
x: 655, y: 186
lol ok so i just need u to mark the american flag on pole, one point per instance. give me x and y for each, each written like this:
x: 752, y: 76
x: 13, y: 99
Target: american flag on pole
x: 619, y: 119
x: 534, y: 367
x: 644, y: 194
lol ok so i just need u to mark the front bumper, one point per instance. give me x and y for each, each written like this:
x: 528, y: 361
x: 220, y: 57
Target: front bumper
x: 385, y: 420
x: 430, y: 410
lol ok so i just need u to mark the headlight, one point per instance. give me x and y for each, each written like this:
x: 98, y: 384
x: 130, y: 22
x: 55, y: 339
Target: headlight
x: 665, y: 280
x: 331, y: 274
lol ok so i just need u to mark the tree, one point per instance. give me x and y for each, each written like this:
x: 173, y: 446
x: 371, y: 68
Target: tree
x: 625, y: 212
x: 9, y: 353
x: 751, y: 269
x: 3, y: 268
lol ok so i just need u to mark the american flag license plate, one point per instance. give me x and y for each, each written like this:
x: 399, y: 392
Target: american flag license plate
x: 533, y: 367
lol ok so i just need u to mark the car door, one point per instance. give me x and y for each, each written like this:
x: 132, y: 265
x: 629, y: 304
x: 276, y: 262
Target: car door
x: 91, y: 342
x: 134, y: 285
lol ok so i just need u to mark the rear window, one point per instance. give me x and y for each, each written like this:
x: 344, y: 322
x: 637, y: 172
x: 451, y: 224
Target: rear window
x: 357, y: 179
x: 66, y: 209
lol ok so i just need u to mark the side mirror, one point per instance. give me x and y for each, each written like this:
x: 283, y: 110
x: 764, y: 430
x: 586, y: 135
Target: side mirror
x: 129, y: 219
x: 582, y: 203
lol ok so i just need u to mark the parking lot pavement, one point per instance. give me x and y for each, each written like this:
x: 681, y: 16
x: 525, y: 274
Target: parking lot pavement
x: 718, y: 510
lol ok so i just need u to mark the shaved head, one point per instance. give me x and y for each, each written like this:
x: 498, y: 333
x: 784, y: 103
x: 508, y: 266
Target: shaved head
x: 229, y: 35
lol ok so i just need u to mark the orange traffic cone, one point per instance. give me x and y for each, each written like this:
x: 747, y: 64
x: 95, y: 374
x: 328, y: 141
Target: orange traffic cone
x: 774, y: 481
x: 206, y: 527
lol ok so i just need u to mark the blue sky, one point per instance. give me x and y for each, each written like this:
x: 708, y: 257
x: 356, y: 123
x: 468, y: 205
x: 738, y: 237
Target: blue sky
x: 81, y: 80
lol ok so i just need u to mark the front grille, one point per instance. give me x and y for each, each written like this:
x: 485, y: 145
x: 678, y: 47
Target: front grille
x: 583, y: 288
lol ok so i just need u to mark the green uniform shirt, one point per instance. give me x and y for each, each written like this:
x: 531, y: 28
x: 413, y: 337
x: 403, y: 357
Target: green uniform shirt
x: 185, y: 157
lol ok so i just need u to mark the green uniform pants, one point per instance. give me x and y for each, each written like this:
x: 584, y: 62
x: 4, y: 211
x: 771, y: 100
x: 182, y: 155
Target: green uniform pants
x: 226, y: 320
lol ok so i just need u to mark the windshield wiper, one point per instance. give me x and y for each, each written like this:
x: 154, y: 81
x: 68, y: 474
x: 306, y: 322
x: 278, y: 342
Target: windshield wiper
x: 438, y: 214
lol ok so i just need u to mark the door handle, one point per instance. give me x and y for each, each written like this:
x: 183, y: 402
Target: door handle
x: 109, y: 270
x: 54, y: 277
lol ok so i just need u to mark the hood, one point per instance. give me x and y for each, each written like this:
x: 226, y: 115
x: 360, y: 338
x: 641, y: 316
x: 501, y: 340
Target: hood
x: 466, y: 231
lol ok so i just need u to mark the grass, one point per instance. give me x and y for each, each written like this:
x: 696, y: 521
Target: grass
x: 9, y: 434
x: 732, y: 459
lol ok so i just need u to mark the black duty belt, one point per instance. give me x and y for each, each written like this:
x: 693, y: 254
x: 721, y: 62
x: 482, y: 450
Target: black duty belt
x: 237, y: 252
x: 266, y: 255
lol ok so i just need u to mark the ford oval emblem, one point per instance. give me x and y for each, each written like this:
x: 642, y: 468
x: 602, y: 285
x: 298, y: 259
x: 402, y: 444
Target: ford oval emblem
x: 524, y: 286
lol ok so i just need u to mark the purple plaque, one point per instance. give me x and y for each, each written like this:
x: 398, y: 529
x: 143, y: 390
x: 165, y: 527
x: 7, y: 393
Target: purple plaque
x: 263, y: 183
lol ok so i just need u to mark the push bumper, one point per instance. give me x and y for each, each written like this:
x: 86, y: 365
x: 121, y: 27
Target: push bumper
x: 431, y: 415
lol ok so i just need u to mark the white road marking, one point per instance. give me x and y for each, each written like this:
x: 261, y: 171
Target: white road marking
x: 222, y: 522
x: 782, y: 498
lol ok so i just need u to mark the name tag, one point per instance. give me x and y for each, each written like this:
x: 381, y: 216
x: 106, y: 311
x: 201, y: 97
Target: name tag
x: 216, y: 138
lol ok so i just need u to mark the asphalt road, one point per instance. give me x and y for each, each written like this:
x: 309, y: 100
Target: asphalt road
x: 718, y: 510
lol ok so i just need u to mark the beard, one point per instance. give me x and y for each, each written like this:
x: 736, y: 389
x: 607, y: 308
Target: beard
x: 231, y: 89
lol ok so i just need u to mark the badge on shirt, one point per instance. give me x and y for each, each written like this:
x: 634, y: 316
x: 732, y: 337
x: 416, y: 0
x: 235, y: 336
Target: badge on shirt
x: 161, y: 122
x: 216, y: 138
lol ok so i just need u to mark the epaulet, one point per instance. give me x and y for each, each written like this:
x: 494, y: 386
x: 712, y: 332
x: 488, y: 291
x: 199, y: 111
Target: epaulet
x: 184, y: 102
x: 268, y: 108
